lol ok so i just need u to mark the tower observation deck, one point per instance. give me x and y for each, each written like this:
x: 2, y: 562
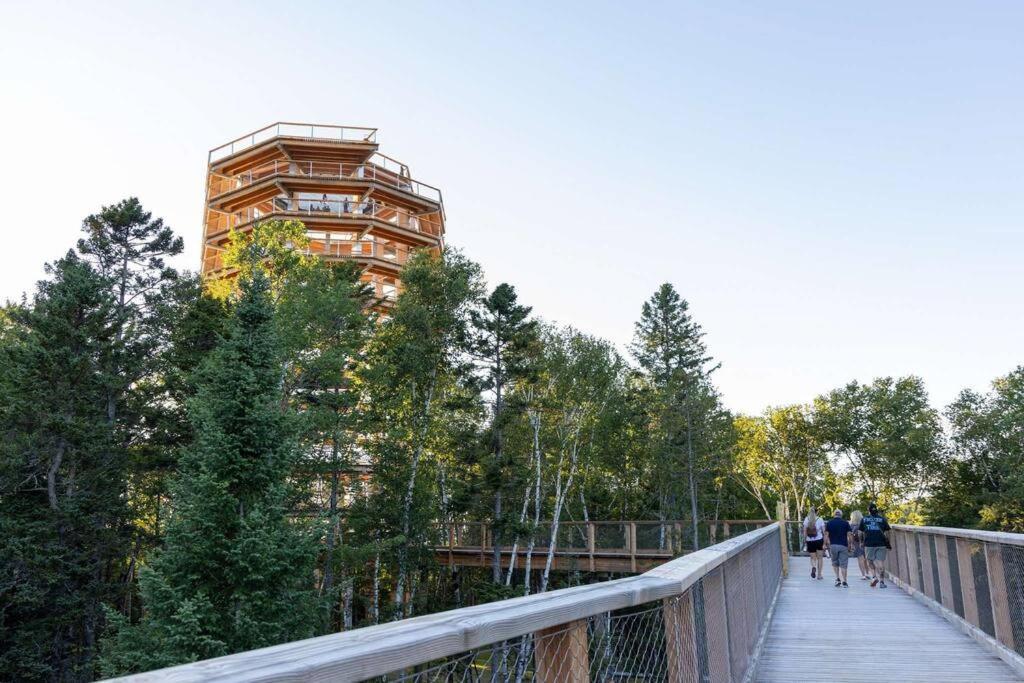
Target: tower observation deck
x: 356, y: 203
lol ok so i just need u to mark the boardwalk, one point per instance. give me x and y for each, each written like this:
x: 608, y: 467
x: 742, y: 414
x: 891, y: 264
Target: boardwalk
x: 820, y: 633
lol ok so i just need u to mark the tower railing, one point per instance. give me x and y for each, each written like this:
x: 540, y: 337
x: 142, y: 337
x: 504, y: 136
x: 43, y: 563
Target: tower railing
x: 308, y: 131
x: 699, y: 617
x: 975, y: 579
x: 221, y: 184
x: 289, y: 207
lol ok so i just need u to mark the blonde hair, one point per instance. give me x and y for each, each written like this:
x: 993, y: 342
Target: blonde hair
x: 812, y: 518
x: 855, y: 517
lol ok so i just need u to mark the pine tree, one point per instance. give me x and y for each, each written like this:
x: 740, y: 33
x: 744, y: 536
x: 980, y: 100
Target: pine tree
x: 500, y: 337
x: 668, y: 346
x: 235, y: 573
x: 63, y: 525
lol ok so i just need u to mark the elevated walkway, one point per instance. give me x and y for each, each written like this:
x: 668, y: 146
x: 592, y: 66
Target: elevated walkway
x: 819, y: 632
x: 728, y: 613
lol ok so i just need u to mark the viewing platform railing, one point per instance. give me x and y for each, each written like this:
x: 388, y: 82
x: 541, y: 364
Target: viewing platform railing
x: 326, y: 170
x: 287, y: 207
x: 309, y: 131
x: 975, y: 579
x: 700, y: 617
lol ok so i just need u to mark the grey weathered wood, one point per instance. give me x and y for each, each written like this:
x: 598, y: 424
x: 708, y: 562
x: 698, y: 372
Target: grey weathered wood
x: 822, y: 633
x: 377, y: 650
x: 974, y: 534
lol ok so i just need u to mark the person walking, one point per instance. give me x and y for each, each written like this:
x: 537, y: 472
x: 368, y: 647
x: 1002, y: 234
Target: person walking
x: 876, y: 544
x: 857, y: 544
x: 837, y: 543
x: 814, y: 533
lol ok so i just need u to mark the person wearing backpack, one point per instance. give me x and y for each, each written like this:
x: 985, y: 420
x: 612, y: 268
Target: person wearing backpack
x: 814, y: 533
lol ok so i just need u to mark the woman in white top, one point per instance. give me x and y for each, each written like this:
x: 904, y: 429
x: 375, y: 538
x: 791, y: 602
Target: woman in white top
x: 814, y: 532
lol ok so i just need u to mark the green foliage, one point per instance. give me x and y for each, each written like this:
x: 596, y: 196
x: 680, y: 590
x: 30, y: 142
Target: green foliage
x: 886, y: 436
x: 234, y: 572
x: 983, y: 477
x: 63, y: 518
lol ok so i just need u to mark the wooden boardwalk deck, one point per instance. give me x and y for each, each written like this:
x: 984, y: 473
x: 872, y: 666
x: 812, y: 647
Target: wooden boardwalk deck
x: 823, y: 633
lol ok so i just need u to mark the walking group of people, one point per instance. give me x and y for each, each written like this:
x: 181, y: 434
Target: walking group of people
x: 865, y: 538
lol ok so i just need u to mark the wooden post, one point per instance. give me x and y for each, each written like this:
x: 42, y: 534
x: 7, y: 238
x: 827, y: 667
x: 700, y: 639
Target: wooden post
x: 632, y: 546
x: 780, y: 514
x: 484, y: 533
x: 963, y: 557
x: 451, y: 544
x: 561, y: 654
x: 590, y: 544
x: 945, y: 576
x: 999, y: 597
x: 680, y: 640
x: 712, y: 533
x: 726, y: 532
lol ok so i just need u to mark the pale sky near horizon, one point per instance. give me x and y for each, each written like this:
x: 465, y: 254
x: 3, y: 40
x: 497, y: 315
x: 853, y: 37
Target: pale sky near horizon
x: 836, y: 188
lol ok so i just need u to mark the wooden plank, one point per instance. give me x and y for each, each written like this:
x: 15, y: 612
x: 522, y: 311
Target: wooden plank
x: 877, y: 635
x: 1000, y: 599
x: 561, y: 654
x: 680, y: 638
x: 963, y: 555
x: 945, y: 575
x: 924, y: 540
x: 973, y: 534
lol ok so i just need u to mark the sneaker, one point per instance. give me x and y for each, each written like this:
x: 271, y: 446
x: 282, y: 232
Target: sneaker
x: 864, y: 578
x: 883, y: 585
x: 845, y: 585
x: 812, y: 572
x: 874, y: 582
x: 838, y: 583
x: 821, y: 576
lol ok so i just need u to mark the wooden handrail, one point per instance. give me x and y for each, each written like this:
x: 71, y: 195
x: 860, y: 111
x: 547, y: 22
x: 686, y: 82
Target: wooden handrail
x: 378, y: 650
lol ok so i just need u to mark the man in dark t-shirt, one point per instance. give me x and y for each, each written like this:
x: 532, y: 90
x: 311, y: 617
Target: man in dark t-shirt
x: 837, y: 533
x: 876, y: 542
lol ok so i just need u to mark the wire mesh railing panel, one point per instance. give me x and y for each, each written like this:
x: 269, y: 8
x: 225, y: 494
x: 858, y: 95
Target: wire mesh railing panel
x: 709, y: 632
x: 977, y: 576
x: 1013, y: 571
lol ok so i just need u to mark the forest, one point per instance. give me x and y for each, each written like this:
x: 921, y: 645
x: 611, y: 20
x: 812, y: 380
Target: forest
x: 190, y: 469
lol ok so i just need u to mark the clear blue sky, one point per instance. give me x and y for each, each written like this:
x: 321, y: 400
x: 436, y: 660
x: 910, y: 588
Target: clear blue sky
x: 835, y: 187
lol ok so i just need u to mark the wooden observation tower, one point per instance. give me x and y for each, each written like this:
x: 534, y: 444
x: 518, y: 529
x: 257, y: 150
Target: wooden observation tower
x: 356, y: 203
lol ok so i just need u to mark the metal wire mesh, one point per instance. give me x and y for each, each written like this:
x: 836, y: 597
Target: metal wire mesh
x: 977, y: 576
x: 707, y: 633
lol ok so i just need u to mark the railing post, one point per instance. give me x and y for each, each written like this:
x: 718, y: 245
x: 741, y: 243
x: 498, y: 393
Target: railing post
x: 561, y: 654
x: 632, y: 546
x: 963, y: 558
x: 680, y: 639
x: 590, y: 543
x: 726, y: 531
x: 780, y: 514
x: 999, y: 596
x: 712, y: 533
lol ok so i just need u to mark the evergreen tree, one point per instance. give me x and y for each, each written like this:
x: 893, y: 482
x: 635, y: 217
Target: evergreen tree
x: 62, y: 494
x: 235, y: 574
x: 501, y: 334
x: 668, y: 346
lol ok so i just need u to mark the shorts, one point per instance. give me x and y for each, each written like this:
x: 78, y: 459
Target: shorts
x: 840, y: 555
x: 875, y: 553
x: 857, y: 551
x: 815, y: 546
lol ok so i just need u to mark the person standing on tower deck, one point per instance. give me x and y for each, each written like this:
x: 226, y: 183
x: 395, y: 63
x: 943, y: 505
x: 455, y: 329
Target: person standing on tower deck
x: 814, y: 532
x: 837, y: 534
x: 876, y: 543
